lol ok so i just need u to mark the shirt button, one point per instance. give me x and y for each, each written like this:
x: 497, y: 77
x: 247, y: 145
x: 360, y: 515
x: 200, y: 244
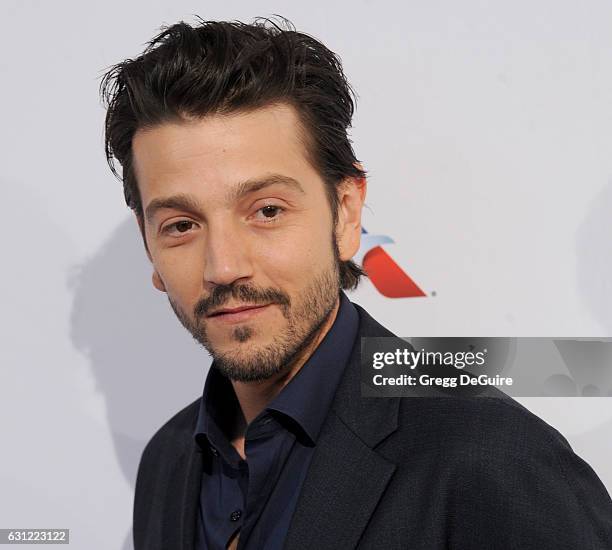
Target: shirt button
x: 214, y: 451
x: 235, y: 515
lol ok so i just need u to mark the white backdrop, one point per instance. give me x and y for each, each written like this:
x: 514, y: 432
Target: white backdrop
x: 486, y: 130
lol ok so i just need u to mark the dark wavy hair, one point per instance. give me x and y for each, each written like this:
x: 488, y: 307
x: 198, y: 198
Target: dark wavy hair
x: 223, y: 67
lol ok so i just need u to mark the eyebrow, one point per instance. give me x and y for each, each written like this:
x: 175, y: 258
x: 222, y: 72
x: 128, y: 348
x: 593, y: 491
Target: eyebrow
x: 188, y: 203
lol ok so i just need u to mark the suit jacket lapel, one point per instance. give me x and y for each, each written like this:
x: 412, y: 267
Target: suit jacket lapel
x: 346, y: 477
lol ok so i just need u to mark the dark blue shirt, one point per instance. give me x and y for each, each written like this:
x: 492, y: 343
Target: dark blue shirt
x: 257, y: 496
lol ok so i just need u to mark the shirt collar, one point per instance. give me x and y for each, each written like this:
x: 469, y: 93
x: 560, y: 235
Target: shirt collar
x: 307, y: 397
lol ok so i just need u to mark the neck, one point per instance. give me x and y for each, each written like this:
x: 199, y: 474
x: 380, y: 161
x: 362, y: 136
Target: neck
x: 253, y: 397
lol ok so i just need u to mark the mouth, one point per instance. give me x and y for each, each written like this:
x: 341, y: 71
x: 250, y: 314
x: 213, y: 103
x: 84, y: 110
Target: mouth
x: 238, y: 314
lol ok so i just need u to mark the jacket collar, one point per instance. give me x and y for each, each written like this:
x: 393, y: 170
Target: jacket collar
x: 371, y: 419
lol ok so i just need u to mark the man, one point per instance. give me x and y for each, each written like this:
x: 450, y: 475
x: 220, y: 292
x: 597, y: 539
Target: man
x: 236, y: 162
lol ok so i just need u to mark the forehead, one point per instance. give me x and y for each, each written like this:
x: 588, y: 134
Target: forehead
x: 210, y: 155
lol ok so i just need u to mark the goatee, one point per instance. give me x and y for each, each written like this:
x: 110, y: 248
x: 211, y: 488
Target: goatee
x: 305, y: 319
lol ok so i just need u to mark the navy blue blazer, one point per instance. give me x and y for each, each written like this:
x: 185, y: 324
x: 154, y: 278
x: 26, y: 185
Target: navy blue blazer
x: 402, y: 473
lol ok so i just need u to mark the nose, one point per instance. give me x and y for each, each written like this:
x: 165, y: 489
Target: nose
x: 226, y: 256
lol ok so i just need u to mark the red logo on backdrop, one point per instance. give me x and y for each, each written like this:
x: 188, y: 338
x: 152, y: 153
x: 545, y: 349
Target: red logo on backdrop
x: 388, y: 277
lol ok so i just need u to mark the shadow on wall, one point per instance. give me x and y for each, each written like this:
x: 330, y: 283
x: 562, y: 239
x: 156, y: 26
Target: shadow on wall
x: 594, y: 258
x: 146, y: 364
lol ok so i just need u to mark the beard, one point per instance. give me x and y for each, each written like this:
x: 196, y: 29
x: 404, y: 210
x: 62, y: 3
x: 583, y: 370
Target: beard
x: 304, y: 321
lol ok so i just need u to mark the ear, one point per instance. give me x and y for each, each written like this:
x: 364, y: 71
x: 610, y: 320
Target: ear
x: 157, y: 280
x: 351, y: 197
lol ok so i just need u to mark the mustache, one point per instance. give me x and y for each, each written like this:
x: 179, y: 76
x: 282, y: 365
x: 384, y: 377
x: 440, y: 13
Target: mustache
x: 221, y: 294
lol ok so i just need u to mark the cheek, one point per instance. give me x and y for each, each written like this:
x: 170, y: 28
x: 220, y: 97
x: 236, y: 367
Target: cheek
x: 181, y: 271
x: 296, y: 257
x: 282, y: 264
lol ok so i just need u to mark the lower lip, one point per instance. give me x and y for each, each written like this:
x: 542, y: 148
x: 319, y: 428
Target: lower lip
x: 239, y: 316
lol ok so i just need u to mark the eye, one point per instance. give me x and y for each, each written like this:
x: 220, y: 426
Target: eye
x: 269, y: 213
x: 182, y: 226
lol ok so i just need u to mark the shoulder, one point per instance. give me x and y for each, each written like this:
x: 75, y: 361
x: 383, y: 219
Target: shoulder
x: 161, y: 472
x: 168, y: 447
x: 496, y: 421
x: 498, y: 471
x: 488, y: 426
x: 498, y: 459
x: 173, y: 438
x: 368, y: 326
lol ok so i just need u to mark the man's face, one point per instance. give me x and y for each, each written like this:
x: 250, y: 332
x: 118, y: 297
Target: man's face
x: 235, y: 217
